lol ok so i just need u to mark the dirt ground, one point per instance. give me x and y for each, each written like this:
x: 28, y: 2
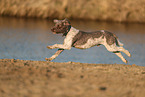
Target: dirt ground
x: 23, y: 78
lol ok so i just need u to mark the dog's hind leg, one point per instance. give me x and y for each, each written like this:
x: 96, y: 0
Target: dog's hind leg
x: 119, y: 43
x: 55, y: 55
x: 122, y: 58
x: 124, y: 51
x: 113, y: 48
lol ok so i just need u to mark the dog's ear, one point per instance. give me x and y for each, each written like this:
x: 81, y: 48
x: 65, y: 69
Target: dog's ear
x: 55, y: 21
x: 66, y: 21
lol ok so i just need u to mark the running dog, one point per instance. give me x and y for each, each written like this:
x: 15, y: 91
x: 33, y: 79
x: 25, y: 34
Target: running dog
x: 83, y: 40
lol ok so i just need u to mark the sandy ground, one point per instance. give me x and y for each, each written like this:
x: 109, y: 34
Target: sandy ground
x: 23, y: 78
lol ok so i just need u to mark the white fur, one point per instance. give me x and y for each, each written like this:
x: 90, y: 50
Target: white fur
x: 69, y: 37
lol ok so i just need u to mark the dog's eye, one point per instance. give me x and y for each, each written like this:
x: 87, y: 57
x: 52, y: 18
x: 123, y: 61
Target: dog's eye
x: 59, y: 26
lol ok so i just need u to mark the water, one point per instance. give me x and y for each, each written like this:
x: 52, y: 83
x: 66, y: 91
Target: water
x: 27, y: 39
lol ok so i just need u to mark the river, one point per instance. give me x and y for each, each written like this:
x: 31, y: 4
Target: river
x: 27, y: 39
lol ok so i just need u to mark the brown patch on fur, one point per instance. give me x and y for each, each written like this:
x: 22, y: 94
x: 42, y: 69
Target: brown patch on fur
x: 82, y: 37
x: 110, y: 38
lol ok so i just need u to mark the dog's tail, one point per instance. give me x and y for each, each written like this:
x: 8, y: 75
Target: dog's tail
x: 118, y: 42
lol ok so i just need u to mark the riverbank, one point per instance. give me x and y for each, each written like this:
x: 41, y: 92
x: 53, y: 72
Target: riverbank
x: 103, y: 10
x: 19, y: 78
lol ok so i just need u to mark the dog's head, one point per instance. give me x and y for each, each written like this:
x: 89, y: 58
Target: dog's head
x: 61, y: 27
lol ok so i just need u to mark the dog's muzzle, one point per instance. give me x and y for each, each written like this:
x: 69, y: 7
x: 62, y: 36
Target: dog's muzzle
x: 53, y: 30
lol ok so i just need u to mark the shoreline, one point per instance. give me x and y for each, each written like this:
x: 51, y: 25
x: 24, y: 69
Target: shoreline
x: 54, y: 79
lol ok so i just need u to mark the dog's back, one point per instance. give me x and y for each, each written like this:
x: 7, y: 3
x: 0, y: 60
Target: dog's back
x: 82, y: 37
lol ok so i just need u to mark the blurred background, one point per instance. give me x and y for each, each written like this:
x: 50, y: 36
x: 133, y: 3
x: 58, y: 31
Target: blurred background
x: 25, y: 28
x: 106, y: 10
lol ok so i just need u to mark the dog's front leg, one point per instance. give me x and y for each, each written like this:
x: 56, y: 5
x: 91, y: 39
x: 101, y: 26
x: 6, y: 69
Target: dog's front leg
x: 62, y: 46
x: 55, y: 55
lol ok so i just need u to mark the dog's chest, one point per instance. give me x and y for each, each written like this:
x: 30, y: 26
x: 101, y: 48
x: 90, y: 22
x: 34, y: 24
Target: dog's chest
x: 69, y: 37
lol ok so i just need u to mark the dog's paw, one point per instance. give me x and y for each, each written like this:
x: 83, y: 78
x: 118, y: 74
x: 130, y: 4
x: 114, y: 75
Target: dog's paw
x: 129, y: 55
x: 48, y: 59
x: 49, y: 47
x: 125, y: 61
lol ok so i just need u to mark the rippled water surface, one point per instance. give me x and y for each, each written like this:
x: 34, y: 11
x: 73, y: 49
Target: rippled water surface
x: 27, y: 39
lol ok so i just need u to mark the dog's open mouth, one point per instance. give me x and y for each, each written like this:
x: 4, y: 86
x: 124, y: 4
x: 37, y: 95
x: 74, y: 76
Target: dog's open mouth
x: 54, y: 32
